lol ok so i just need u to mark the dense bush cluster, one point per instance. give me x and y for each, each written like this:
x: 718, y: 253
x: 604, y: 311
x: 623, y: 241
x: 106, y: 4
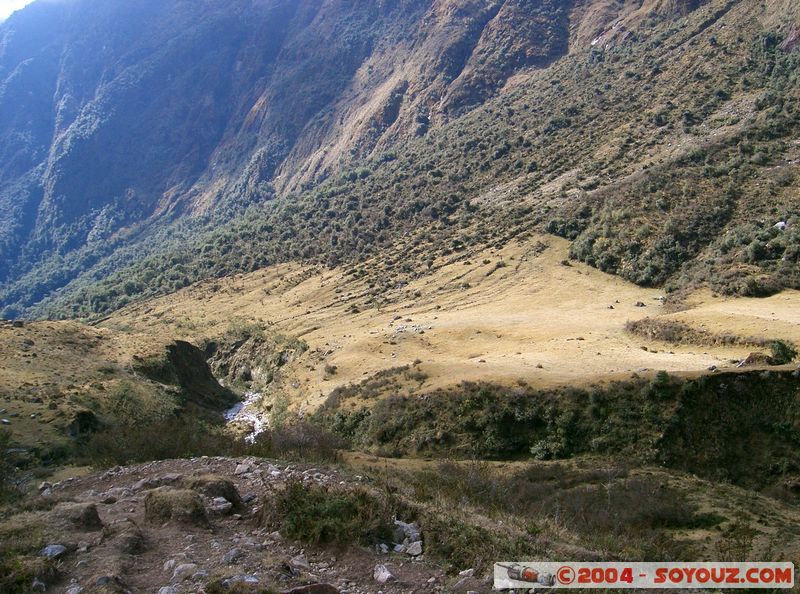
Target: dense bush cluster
x: 329, y: 515
x: 627, y: 515
x: 702, y: 425
x: 190, y: 436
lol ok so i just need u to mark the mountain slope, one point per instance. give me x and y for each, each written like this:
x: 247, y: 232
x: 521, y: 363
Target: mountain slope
x: 187, y: 102
x: 659, y: 136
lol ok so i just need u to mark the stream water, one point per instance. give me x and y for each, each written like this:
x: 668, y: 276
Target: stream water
x: 244, y: 412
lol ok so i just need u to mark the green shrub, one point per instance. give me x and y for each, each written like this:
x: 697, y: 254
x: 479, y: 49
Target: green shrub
x: 782, y: 352
x: 7, y: 485
x: 304, y: 441
x: 179, y: 437
x: 318, y: 514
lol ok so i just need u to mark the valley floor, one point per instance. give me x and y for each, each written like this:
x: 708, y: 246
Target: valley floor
x: 503, y: 315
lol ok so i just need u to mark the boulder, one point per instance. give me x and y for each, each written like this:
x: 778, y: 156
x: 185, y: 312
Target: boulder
x: 232, y: 556
x: 83, y: 516
x: 53, y: 551
x: 414, y: 549
x: 127, y: 538
x: 220, y: 506
x: 184, y: 572
x: 382, y: 575
x: 300, y: 562
x: 166, y: 504
x: 212, y: 485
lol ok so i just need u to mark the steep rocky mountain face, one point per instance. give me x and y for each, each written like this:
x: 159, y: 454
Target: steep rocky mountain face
x: 118, y: 120
x: 113, y: 112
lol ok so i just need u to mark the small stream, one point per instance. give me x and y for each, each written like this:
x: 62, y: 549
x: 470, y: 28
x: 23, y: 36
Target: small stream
x: 243, y: 412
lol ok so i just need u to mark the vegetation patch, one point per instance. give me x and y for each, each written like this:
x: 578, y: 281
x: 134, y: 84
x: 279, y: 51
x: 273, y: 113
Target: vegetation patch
x: 319, y: 514
x: 166, y: 504
x: 741, y: 427
x: 676, y: 332
x: 608, y: 508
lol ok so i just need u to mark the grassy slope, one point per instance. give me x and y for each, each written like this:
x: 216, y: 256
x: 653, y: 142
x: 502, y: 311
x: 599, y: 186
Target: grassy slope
x: 479, y: 321
x: 503, y: 316
x: 54, y: 370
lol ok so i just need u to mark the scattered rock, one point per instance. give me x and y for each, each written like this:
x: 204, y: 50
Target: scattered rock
x: 406, y: 533
x: 466, y: 573
x: 53, y: 551
x: 382, y: 575
x: 116, y: 493
x: 243, y: 468
x: 215, y: 486
x: 128, y: 538
x: 220, y: 506
x: 169, y: 565
x: 300, y: 562
x: 111, y: 584
x: 468, y: 584
x: 146, y: 484
x: 183, y: 572
x: 414, y: 549
x: 232, y: 556
x: 167, y: 590
x: 639, y: 304
x: 239, y: 579
x: 313, y: 589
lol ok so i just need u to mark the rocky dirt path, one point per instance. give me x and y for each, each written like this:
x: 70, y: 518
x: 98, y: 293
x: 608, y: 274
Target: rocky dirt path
x: 113, y: 544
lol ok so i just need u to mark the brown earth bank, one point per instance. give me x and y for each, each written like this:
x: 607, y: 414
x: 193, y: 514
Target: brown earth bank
x: 246, y: 525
